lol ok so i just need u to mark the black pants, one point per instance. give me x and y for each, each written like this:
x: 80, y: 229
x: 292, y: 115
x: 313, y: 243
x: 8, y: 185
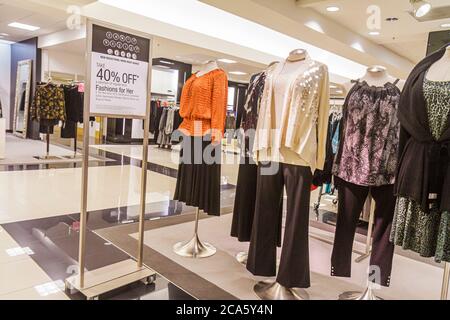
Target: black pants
x: 294, y: 266
x: 244, y: 202
x: 351, y: 202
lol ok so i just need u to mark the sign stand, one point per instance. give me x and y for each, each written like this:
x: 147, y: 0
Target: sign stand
x: 119, y: 88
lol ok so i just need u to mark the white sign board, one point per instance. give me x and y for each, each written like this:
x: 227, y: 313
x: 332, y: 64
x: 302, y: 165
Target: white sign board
x: 119, y: 73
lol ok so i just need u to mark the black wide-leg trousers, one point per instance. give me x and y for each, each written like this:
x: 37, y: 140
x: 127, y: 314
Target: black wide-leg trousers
x: 351, y: 203
x: 294, y: 269
x: 244, y: 203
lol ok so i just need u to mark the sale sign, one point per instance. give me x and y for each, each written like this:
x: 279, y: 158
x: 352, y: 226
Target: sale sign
x: 119, y: 73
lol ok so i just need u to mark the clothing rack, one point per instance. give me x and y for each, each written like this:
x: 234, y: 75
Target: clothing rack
x: 62, y: 82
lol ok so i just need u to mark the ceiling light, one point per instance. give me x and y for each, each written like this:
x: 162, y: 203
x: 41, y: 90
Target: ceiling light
x: 166, y: 62
x: 374, y: 33
x: 333, y: 9
x: 227, y: 61
x: 238, y: 73
x: 421, y: 7
x: 392, y: 19
x: 445, y: 25
x: 23, y: 26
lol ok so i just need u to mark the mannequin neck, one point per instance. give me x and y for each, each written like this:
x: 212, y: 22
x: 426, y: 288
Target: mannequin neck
x: 447, y: 54
x: 297, y: 55
x: 208, y: 67
x: 377, y: 76
x: 440, y: 70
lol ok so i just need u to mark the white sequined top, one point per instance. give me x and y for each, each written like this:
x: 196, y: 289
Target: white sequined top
x: 293, y: 121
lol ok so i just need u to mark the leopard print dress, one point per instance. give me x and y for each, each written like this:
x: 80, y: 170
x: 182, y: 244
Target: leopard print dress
x: 426, y: 233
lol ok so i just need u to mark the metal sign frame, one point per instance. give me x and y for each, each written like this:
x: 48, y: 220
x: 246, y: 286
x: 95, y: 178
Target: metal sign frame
x: 85, y: 170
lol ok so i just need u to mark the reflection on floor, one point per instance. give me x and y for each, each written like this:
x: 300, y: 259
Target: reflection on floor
x: 222, y: 277
x: 39, y: 213
x: 28, y: 152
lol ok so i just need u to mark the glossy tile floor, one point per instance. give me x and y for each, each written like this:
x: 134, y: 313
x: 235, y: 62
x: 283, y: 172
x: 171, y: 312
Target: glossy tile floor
x: 40, y: 205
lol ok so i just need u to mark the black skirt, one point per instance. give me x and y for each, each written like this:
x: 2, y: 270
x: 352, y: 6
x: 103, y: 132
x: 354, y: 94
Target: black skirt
x: 199, y: 175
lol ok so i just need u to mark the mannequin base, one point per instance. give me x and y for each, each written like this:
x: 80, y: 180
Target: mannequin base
x: 269, y: 290
x: 194, y: 249
x: 367, y: 295
x: 242, y: 258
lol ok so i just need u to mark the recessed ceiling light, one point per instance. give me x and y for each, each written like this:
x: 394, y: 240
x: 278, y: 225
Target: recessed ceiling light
x: 420, y: 7
x: 238, y: 73
x: 374, y: 33
x: 227, y: 61
x: 23, y: 26
x: 392, y: 19
x: 445, y: 25
x: 166, y: 62
x: 333, y: 9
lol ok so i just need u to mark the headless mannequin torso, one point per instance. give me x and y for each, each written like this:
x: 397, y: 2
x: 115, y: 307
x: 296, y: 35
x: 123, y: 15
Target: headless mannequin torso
x: 207, y: 67
x: 376, y: 76
x: 440, y: 70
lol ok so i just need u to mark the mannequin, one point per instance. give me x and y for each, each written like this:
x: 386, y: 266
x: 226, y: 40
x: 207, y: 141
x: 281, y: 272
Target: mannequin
x: 376, y: 76
x: 440, y: 70
x: 209, y: 66
x: 297, y: 55
x: 289, y: 143
x: 377, y: 93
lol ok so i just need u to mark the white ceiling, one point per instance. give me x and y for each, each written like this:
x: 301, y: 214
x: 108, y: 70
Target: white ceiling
x: 164, y: 48
x: 11, y: 13
x: 407, y: 37
x: 32, y: 13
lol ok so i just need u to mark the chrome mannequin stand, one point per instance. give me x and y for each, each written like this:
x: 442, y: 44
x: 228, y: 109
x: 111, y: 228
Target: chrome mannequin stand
x: 367, y: 295
x: 444, y: 291
x: 195, y: 248
x: 242, y: 258
x: 269, y: 290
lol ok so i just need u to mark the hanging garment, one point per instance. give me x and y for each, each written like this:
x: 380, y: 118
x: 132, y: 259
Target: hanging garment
x: 370, y: 129
x: 262, y: 258
x: 154, y: 119
x: 204, y: 104
x: 162, y: 127
x: 427, y: 233
x: 166, y: 127
x: 230, y: 122
x: 198, y: 181
x: 48, y: 103
x: 74, y: 100
x: 325, y: 176
x: 300, y: 137
x: 352, y: 198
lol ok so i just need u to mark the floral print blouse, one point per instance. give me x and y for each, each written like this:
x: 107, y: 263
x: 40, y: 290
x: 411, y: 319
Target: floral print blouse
x: 370, y: 132
x: 48, y: 103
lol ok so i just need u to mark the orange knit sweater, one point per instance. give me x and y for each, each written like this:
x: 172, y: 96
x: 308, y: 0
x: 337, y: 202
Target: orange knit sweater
x: 204, y: 105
